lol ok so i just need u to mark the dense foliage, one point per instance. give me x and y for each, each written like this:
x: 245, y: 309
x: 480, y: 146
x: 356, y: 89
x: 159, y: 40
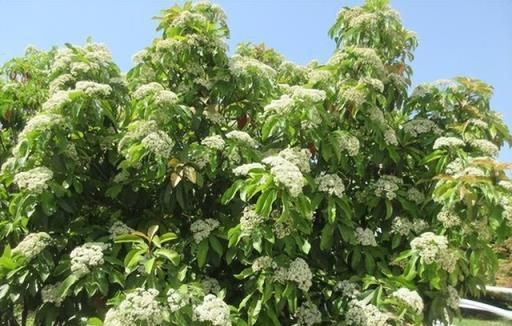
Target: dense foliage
x: 208, y: 189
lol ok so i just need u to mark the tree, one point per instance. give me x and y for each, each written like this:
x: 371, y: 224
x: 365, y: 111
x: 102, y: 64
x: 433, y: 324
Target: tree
x: 204, y: 189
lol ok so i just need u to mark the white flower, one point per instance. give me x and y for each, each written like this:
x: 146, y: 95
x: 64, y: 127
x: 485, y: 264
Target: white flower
x: 139, y: 307
x: 308, y: 314
x: 297, y: 156
x: 434, y: 248
x: 244, y: 169
x: 298, y: 271
x: 448, y: 218
x: 250, y: 220
x: 401, y: 226
x: 421, y: 126
x: 58, y: 99
x: 387, y: 185
x: 159, y: 143
x: 137, y: 130
x: 365, y: 237
x: 139, y: 56
x: 119, y: 228
x: 86, y: 257
x: 147, y: 89
x: 353, y: 95
x: 262, y: 263
x: 390, y: 137
x: 453, y: 298
x: 349, y: 143
x: 410, y: 298
x: 282, y: 106
x: 307, y: 94
x: 245, y: 66
x: 363, y: 314
x: 210, y: 285
x: 33, y: 244
x: 34, y: 180
x: 448, y: 142
x: 413, y: 194
x: 374, y: 83
x: 167, y: 44
x: 213, y: 310
x: 377, y: 116
x: 214, y: 142
x: 485, y: 146
x: 317, y: 76
x: 166, y: 97
x: 201, y: 229
x: 242, y: 137
x: 331, y: 184
x: 348, y: 289
x: 93, y: 89
x: 286, y: 174
x: 506, y: 184
x: 42, y: 122
x: 50, y: 293
x: 478, y: 123
x: 177, y: 299
x: 59, y: 82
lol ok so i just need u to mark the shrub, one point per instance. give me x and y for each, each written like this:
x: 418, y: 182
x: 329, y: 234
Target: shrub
x: 204, y: 189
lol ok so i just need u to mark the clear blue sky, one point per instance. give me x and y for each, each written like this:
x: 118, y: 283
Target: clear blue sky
x: 457, y: 37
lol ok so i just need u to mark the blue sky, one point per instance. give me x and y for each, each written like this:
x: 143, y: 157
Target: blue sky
x: 457, y: 37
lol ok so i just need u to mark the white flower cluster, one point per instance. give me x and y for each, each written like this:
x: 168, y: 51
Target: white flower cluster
x: 421, y: 126
x: 298, y: 271
x: 478, y: 123
x: 298, y: 156
x: 33, y: 244
x: 165, y: 97
x: 413, y: 194
x: 177, y: 299
x: 57, y: 100
x: 330, y: 184
x: 283, y: 106
x: 147, y: 89
x: 58, y: 83
x: 138, y: 307
x: 374, y: 83
x: 213, y: 310
x: 309, y: 95
x: 244, y: 169
x: 250, y: 220
x: 34, y: 180
x: 159, y: 143
x: 42, y: 122
x: 242, y: 137
x: 505, y: 184
x: 348, y: 289
x: 50, y: 294
x: 403, y: 226
x: 241, y: 66
x: 201, y: 229
x: 434, y: 249
x: 214, y: 142
x: 354, y: 95
x: 377, y: 116
x: 364, y: 57
x: 453, y: 298
x: 119, y: 228
x: 410, y: 298
x: 448, y: 142
x: 136, y: 131
x: 86, y: 257
x: 365, y: 237
x: 390, y: 137
x: 349, y: 143
x: 363, y: 314
x: 93, y: 89
x: 261, y: 263
x: 448, y: 218
x: 485, y: 146
x: 210, y: 285
x: 387, y: 185
x: 286, y: 174
x: 308, y: 314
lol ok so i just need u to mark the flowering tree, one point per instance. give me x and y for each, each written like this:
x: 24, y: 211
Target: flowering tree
x: 204, y: 189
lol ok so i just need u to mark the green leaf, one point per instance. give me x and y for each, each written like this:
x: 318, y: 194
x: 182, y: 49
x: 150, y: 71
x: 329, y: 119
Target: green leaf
x: 170, y: 254
x: 202, y: 252
x: 231, y: 192
x: 66, y: 284
x: 216, y: 245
